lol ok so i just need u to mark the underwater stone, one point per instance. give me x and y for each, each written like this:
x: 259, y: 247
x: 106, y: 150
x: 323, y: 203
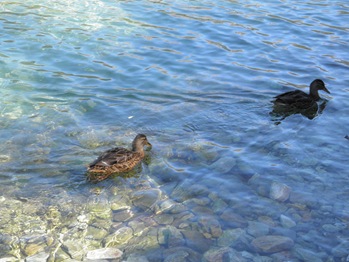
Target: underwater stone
x: 104, y: 253
x: 120, y: 202
x: 231, y: 237
x: 307, y: 255
x: 37, y: 257
x: 145, y: 199
x: 32, y: 249
x: 272, y: 244
x: 233, y: 219
x: 341, y: 250
x: 122, y: 215
x: 211, y: 225
x: 196, y: 240
x: 223, y: 165
x: 222, y: 254
x: 170, y: 236
x: 257, y: 229
x: 287, y: 222
x: 279, y: 191
x: 74, y: 248
x: 119, y: 237
x: 96, y: 233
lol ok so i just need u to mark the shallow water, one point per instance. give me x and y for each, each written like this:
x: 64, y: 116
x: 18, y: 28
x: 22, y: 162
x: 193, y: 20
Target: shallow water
x: 197, y: 77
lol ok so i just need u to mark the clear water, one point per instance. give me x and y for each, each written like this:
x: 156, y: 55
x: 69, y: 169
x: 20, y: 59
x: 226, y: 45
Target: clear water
x: 197, y: 77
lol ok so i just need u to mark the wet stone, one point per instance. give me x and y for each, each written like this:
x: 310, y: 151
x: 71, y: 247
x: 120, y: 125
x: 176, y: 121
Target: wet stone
x: 104, y: 253
x: 177, y: 254
x: 307, y: 255
x: 211, y: 225
x: 223, y: 165
x: 74, y: 248
x: 279, y: 191
x: 170, y: 236
x: 231, y: 237
x: 287, y: 222
x: 222, y: 254
x: 196, y: 240
x: 96, y: 233
x: 272, y: 244
x: 39, y: 257
x: 257, y: 229
x: 145, y: 199
x: 119, y: 237
x: 341, y: 250
x: 164, y: 219
x: 233, y: 219
x: 120, y: 202
x: 122, y: 215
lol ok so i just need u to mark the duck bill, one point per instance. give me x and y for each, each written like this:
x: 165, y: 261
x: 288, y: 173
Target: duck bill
x: 326, y: 90
x: 149, y: 145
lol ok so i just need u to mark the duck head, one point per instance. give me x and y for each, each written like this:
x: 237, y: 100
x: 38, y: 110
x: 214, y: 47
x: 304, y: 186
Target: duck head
x: 139, y: 142
x: 318, y: 84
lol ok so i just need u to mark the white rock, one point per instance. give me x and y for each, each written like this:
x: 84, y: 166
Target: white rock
x: 279, y: 191
x: 287, y: 222
x: 104, y: 253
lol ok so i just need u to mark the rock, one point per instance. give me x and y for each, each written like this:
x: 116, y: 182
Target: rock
x: 99, y: 206
x: 222, y: 254
x: 233, y: 219
x: 257, y: 229
x: 120, y: 202
x: 231, y: 237
x: 341, y: 250
x: 178, y: 254
x: 211, y: 226
x: 74, y: 248
x: 279, y: 192
x: 32, y: 249
x: 119, y: 237
x: 145, y: 199
x: 334, y: 228
x: 164, y: 219
x: 307, y: 255
x: 122, y: 215
x: 196, y: 240
x: 170, y: 236
x: 104, y: 253
x: 96, y: 233
x: 136, y: 258
x: 272, y: 244
x: 223, y: 165
x: 287, y: 222
x: 39, y: 257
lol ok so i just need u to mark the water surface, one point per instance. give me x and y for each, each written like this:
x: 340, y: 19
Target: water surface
x: 197, y: 77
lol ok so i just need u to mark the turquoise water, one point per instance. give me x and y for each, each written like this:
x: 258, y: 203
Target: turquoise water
x: 197, y: 77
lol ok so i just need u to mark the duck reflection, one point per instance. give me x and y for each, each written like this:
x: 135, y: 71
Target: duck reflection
x: 298, y: 102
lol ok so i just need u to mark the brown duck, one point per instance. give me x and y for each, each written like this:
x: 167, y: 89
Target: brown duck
x: 118, y: 159
x: 300, y: 100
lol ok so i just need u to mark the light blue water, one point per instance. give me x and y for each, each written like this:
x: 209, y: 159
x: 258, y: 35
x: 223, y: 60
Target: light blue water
x: 197, y: 77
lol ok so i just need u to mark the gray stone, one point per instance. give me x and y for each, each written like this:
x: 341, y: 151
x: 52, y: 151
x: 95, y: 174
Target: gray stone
x: 334, y: 228
x: 287, y: 222
x: 233, y: 219
x: 104, y: 253
x: 119, y: 237
x: 39, y: 257
x: 231, y: 237
x: 170, y: 236
x: 196, y: 240
x: 307, y: 255
x: 279, y: 191
x: 222, y: 254
x: 341, y: 250
x: 122, y: 215
x: 145, y: 199
x: 74, y: 248
x: 211, y: 225
x: 272, y: 244
x: 224, y: 164
x: 257, y: 229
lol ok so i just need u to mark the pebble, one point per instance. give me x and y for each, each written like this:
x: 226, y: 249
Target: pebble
x: 287, y: 222
x: 341, y: 250
x: 223, y: 165
x: 257, y: 229
x: 104, y: 253
x: 279, y: 191
x: 272, y: 244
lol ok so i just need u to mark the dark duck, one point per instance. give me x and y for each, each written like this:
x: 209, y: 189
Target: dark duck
x: 118, y: 160
x: 297, y: 101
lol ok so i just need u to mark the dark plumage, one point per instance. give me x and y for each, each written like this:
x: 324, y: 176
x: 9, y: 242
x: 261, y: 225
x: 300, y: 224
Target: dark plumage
x: 118, y: 159
x: 300, y: 100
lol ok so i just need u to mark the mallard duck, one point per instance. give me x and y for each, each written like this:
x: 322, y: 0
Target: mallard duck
x: 118, y: 159
x: 300, y: 100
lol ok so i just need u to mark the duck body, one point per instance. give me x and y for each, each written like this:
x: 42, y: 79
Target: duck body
x: 299, y: 99
x: 299, y: 102
x: 118, y: 160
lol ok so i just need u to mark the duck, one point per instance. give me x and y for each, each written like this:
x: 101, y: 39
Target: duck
x: 118, y: 160
x: 300, y: 100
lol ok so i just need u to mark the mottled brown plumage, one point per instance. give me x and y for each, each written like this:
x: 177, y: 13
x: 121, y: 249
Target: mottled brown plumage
x: 118, y: 159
